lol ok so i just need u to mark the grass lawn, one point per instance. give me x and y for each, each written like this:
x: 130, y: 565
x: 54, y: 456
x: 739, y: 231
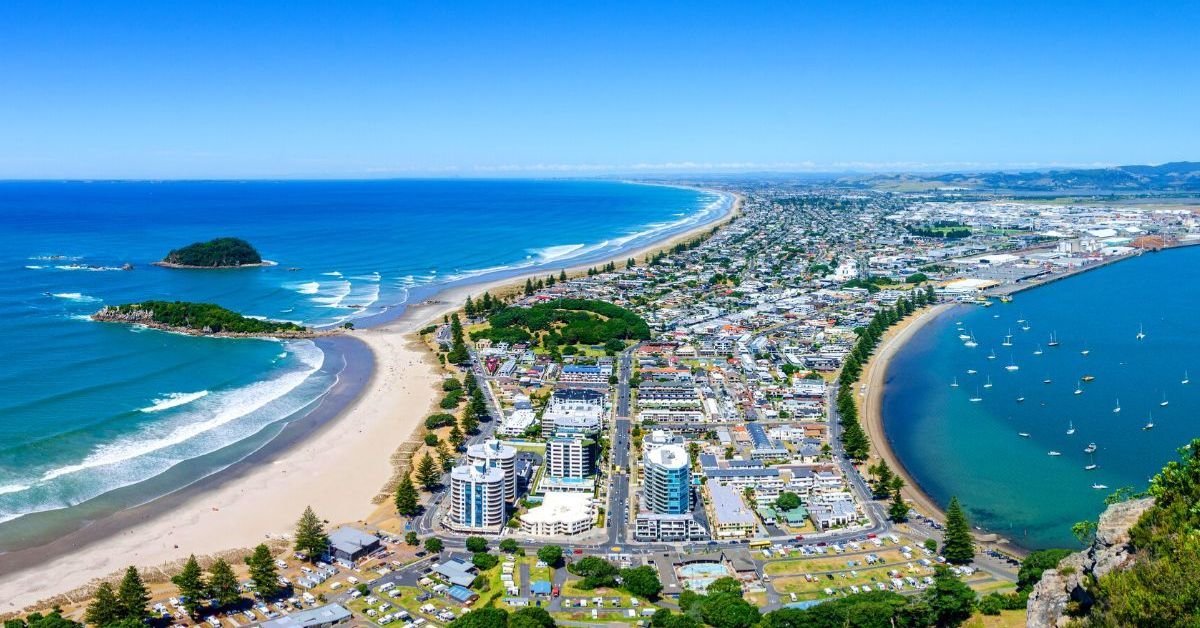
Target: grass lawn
x: 826, y: 562
x: 1006, y: 619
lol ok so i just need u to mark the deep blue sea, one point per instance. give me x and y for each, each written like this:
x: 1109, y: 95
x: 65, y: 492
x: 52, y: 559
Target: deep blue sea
x: 1010, y: 483
x: 87, y: 408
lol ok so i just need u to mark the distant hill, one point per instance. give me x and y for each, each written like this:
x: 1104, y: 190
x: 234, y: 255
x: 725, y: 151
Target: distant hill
x: 218, y: 253
x: 1179, y: 176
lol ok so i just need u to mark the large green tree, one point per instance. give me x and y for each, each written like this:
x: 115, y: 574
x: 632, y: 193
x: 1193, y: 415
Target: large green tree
x: 728, y: 610
x: 105, y: 608
x: 550, y: 554
x: 223, y: 584
x: 263, y: 573
x: 531, y: 617
x: 642, y: 581
x: 428, y: 473
x: 482, y: 618
x: 310, y: 535
x: 950, y: 600
x: 191, y: 585
x: 133, y: 596
x: 406, y: 497
x: 957, y: 544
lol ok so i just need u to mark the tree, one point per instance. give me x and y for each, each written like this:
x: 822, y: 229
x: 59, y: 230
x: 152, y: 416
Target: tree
x: 476, y: 544
x: 1037, y: 562
x: 410, y: 538
x: 950, y: 600
x: 192, y: 588
x: 433, y: 545
x: 105, y: 608
x: 641, y: 581
x: 508, y: 546
x: 223, y: 584
x: 787, y: 501
x: 482, y: 618
x: 728, y: 610
x: 930, y: 545
x: 898, y: 509
x: 52, y: 620
x: 445, y: 456
x: 550, y: 554
x: 133, y: 596
x: 263, y: 573
x: 484, y: 561
x: 725, y: 584
x: 1084, y: 531
x: 469, y: 422
x: 310, y: 535
x: 406, y: 497
x: 428, y: 473
x: 456, y: 437
x: 957, y: 545
x: 531, y: 617
x: 478, y: 404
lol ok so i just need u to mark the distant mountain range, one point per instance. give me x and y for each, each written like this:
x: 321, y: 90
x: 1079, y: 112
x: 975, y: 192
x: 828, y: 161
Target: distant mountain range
x: 1179, y: 176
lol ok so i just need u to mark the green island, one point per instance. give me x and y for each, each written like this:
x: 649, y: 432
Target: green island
x: 197, y: 319
x: 218, y: 253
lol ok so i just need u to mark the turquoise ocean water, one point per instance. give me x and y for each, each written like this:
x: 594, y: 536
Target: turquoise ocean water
x: 89, y: 411
x: 1010, y: 483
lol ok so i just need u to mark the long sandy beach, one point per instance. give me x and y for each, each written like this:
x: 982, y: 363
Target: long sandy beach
x: 874, y: 377
x: 337, y: 465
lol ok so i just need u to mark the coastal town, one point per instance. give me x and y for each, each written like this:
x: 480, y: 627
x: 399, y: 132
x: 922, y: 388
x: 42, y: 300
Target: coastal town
x: 690, y: 432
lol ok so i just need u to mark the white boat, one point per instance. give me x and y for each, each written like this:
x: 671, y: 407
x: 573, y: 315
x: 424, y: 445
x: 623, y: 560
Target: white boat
x: 1185, y: 378
x: 1053, y: 341
x: 1047, y: 380
x: 1099, y: 486
x: 954, y: 384
x: 1012, y: 367
x: 1023, y: 434
x: 1053, y: 453
x: 1020, y: 320
x: 992, y: 355
x: 971, y: 371
x: 1085, y: 351
x: 1070, y: 427
x: 1025, y: 327
x: 1092, y: 466
x: 963, y: 337
x: 989, y: 382
x: 1078, y: 390
x: 1141, y: 333
x: 1164, y: 402
x: 1020, y: 399
x: 970, y: 342
x: 1038, y: 351
x: 976, y: 398
x: 1118, y: 408
x: 1008, y: 339
x: 1149, y: 422
x: 1091, y: 448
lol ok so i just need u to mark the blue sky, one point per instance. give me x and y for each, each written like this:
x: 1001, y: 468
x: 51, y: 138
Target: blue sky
x: 356, y: 89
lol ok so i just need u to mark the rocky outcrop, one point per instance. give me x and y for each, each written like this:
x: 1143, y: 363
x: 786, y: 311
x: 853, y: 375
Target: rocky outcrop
x: 1067, y: 584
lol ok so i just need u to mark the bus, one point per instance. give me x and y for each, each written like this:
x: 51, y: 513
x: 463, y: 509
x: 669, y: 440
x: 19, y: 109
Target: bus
x: 760, y: 544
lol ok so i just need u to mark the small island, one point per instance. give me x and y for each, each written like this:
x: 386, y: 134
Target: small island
x: 199, y: 319
x: 218, y: 253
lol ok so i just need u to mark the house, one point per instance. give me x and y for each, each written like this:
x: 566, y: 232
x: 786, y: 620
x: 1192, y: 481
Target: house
x: 319, y: 617
x: 349, y: 545
x: 456, y: 572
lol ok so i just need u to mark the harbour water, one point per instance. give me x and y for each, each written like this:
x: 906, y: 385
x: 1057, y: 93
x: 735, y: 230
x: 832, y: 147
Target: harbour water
x: 90, y: 411
x: 991, y: 446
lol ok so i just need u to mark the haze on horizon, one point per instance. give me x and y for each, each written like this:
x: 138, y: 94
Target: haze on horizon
x: 310, y: 89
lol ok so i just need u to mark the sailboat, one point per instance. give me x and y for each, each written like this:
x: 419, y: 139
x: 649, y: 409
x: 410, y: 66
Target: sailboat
x: 989, y: 382
x: 1024, y: 326
x: 1047, y: 380
x: 1149, y: 423
x: 1012, y: 365
x: 1053, y: 341
x: 1020, y: 399
x: 1185, y: 378
x: 1038, y: 351
x: 971, y: 343
x: 1141, y: 333
x: 1008, y: 339
x: 976, y: 398
x: 954, y: 384
x: 1070, y: 427
x: 1118, y: 408
x: 1078, y: 389
x: 963, y: 337
x: 1085, y: 351
x: 1092, y: 466
x: 992, y: 355
x: 1164, y: 402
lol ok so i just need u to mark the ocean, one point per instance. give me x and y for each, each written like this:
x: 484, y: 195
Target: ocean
x: 1009, y: 483
x: 95, y: 417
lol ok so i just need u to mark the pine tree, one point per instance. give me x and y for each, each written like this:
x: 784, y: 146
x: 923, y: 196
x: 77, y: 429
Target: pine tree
x: 133, y: 596
x: 190, y: 581
x: 470, y: 424
x: 223, y: 584
x: 898, y: 509
x: 310, y: 535
x: 479, y: 404
x: 883, y: 478
x: 263, y: 573
x: 445, y: 457
x: 469, y: 383
x: 957, y: 544
x: 456, y: 437
x: 427, y: 473
x: 528, y: 287
x: 458, y: 347
x: 469, y: 307
x: 406, y: 497
x: 105, y: 608
x: 562, y: 275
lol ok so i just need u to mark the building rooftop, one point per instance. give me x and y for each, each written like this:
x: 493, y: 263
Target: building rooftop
x: 321, y: 615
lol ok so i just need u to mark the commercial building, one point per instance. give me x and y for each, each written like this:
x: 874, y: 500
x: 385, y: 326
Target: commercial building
x: 319, y: 617
x: 730, y: 516
x: 667, y: 489
x: 495, y: 454
x: 560, y: 514
x: 477, y: 498
x: 573, y: 411
x: 349, y: 545
x: 570, y: 457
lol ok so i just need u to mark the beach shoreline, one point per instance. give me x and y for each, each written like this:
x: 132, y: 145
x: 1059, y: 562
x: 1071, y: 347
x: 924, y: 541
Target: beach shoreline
x: 260, y: 497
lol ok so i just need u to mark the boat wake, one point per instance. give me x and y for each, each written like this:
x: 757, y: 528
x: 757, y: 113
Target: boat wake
x: 174, y: 400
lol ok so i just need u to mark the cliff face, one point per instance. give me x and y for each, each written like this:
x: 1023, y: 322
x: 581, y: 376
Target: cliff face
x: 1109, y: 552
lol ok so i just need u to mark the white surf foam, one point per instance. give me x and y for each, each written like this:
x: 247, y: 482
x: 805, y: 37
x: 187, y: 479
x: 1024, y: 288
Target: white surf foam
x: 34, y: 267
x: 331, y: 295
x: 74, y: 296
x: 333, y: 274
x: 551, y: 253
x: 310, y: 287
x: 12, y: 488
x: 174, y: 400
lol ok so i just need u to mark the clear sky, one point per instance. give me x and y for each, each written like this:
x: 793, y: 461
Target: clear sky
x: 356, y: 89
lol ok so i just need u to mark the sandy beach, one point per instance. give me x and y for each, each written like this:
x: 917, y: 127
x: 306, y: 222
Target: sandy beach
x: 338, y: 466
x: 874, y: 376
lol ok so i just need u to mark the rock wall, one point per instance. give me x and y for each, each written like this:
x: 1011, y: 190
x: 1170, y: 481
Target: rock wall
x: 1110, y: 551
